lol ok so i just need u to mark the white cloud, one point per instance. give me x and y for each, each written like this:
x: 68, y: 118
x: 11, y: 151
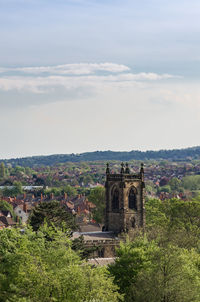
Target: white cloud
x: 72, y: 69
x: 86, y: 106
x: 28, y: 90
x: 73, y: 76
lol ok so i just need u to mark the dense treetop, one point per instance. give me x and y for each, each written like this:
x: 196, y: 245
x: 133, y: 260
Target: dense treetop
x: 51, y: 213
x: 162, y: 264
x: 33, y: 268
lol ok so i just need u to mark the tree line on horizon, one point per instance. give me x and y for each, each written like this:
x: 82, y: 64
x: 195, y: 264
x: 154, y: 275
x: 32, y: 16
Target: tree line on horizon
x: 186, y: 154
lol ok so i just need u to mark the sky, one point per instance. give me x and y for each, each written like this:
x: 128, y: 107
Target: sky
x: 87, y: 75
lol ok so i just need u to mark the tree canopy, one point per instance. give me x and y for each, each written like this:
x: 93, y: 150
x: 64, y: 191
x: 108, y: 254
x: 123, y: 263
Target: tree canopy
x: 97, y: 196
x: 164, y: 264
x: 52, y: 213
x: 34, y: 269
x: 147, y: 271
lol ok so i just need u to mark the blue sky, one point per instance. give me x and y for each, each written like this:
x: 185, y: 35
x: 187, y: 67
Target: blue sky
x: 153, y: 35
x: 83, y: 75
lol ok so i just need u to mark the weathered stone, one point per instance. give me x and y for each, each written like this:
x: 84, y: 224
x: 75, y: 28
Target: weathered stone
x: 124, y: 201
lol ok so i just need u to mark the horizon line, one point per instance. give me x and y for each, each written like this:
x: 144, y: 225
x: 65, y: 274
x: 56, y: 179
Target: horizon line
x: 80, y: 153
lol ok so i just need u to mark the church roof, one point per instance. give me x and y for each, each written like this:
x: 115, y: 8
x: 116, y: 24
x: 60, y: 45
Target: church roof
x: 101, y: 261
x: 96, y: 236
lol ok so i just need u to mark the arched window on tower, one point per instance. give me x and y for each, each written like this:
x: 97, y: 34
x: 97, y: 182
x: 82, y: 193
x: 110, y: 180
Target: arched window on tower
x: 132, y: 200
x: 115, y: 199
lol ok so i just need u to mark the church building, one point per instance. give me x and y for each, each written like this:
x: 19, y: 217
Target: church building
x: 124, y: 211
x: 124, y: 200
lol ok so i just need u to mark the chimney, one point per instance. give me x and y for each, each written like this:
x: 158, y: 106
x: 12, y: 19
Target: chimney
x: 24, y: 196
x: 41, y: 197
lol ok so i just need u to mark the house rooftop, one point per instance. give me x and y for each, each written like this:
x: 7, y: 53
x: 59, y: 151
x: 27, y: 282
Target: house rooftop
x: 7, y: 221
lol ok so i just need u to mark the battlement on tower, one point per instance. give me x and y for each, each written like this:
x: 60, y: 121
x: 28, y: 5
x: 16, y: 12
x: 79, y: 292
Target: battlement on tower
x: 121, y: 177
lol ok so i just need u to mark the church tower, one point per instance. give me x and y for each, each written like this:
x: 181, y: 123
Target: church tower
x: 124, y: 200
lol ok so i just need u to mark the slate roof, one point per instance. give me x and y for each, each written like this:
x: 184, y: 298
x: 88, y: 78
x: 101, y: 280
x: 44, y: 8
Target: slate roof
x: 4, y: 213
x: 90, y: 227
x: 95, y: 236
x: 101, y: 261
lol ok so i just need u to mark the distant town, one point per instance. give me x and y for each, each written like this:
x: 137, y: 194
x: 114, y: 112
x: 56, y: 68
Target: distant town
x: 71, y: 183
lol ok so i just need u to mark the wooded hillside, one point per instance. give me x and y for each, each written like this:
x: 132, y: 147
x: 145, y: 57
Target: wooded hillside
x: 174, y: 155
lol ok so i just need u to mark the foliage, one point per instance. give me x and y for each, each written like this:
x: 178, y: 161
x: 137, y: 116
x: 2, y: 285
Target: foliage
x: 5, y: 206
x: 132, y: 257
x: 164, y: 265
x: 176, y: 154
x: 34, y: 269
x: 51, y: 213
x: 175, y: 184
x: 97, y: 196
x: 173, y: 276
x: 58, y: 191
x: 83, y: 251
x: 15, y: 190
x: 191, y: 182
x: 149, y: 188
x: 165, y: 188
x: 146, y: 271
x: 2, y: 170
x: 71, y: 191
x: 174, y: 220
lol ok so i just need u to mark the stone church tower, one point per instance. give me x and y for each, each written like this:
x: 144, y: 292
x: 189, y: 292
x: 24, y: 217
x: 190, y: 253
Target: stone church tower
x: 124, y: 200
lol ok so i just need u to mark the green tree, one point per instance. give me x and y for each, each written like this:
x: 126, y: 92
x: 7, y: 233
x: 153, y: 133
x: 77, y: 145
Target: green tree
x: 132, y: 257
x: 156, y: 216
x: 149, y: 189
x: 164, y: 265
x: 2, y: 171
x: 97, y: 196
x: 34, y: 269
x: 28, y: 171
x: 51, y: 213
x: 17, y: 189
x: 87, y: 179
x: 71, y: 191
x: 55, y: 191
x: 84, y: 252
x: 5, y: 206
x: 191, y: 182
x: 165, y: 188
x: 147, y: 271
x: 13, y: 191
x: 172, y: 275
x: 174, y: 183
x: 18, y: 171
x: 174, y: 221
